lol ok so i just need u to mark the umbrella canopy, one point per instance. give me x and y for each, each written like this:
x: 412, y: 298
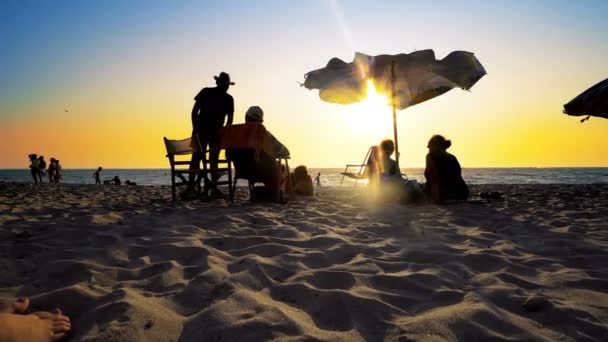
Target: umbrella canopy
x: 407, y: 78
x: 592, y: 102
x: 418, y: 76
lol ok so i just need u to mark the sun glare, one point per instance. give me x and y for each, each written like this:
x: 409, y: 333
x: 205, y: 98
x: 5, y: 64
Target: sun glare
x: 371, y: 118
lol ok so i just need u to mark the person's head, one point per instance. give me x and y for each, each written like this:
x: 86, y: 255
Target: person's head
x: 56, y: 161
x: 52, y: 160
x: 300, y: 173
x: 41, y: 157
x: 254, y: 114
x: 223, y: 81
x: 438, y: 143
x: 116, y: 178
x: 32, y: 156
x: 99, y: 168
x: 388, y: 147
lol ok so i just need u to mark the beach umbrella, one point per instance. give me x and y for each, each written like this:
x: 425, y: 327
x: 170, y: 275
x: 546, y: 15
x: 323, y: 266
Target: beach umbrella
x: 592, y: 102
x: 408, y: 79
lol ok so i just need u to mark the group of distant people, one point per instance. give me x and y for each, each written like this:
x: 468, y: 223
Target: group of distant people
x: 38, y: 169
x: 112, y: 181
x: 444, y: 182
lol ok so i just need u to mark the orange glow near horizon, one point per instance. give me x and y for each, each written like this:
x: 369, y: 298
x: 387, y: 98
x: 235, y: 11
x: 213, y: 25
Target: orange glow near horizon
x: 103, y: 90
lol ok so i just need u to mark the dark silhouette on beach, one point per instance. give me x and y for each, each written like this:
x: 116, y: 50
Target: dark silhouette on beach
x: 97, y: 175
x: 34, y: 167
x: 211, y: 107
x: 317, y: 179
x: 443, y: 173
x: 41, y: 167
x: 58, y: 176
x: 51, y: 170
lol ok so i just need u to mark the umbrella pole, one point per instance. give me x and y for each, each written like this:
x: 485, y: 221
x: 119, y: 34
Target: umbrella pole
x: 394, y: 115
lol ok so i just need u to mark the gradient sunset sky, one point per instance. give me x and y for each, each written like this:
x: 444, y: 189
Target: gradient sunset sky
x: 101, y: 82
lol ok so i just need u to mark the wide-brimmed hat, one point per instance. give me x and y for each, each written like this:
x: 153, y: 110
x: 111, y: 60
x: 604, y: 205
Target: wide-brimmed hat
x: 255, y: 113
x: 223, y: 78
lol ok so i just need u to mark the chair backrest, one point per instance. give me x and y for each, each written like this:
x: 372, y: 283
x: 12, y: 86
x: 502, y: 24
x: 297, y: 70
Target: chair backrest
x: 373, y: 161
x: 178, y: 147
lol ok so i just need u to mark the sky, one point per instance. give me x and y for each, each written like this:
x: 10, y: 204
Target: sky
x: 100, y: 83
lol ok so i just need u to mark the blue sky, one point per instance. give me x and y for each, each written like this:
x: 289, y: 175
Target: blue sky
x: 143, y: 61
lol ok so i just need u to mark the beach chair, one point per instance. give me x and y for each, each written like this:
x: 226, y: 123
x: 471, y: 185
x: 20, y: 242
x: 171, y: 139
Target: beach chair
x: 362, y: 169
x: 180, y: 175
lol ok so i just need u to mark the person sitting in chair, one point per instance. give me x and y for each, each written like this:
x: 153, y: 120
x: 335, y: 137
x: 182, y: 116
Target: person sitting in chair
x: 380, y: 165
x: 261, y: 165
x: 268, y: 168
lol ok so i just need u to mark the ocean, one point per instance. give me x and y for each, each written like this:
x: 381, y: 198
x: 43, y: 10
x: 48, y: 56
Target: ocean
x: 332, y: 176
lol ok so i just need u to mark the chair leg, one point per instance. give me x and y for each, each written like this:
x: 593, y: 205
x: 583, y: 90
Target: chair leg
x: 173, y: 192
x: 250, y: 187
x: 230, y: 187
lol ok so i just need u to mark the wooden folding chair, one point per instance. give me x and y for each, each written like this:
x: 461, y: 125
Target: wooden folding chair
x: 224, y: 168
x: 176, y: 148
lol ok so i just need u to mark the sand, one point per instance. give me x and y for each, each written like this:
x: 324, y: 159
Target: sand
x: 126, y: 264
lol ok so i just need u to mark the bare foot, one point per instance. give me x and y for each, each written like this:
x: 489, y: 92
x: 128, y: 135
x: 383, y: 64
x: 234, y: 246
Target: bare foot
x: 21, y: 328
x: 19, y: 306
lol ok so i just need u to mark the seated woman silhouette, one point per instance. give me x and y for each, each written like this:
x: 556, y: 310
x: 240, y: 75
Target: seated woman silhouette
x: 443, y: 173
x: 302, y: 183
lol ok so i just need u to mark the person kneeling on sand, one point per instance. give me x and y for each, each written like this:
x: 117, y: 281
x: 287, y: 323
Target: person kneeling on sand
x: 40, y: 326
x: 443, y: 173
x: 302, y: 183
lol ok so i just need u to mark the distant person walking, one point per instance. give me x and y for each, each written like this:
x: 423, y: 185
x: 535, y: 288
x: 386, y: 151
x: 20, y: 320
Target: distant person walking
x: 97, y: 175
x: 58, y: 172
x: 318, y: 179
x: 211, y: 107
x: 51, y: 170
x: 41, y: 167
x: 34, y: 167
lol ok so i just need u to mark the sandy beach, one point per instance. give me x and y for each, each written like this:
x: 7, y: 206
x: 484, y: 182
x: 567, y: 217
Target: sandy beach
x: 126, y: 264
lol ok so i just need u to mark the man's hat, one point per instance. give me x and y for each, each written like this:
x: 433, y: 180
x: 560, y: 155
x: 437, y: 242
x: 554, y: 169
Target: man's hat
x: 223, y: 78
x: 255, y: 113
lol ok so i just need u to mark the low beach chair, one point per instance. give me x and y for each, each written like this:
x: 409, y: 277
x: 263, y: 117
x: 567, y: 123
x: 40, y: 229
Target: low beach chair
x: 362, y: 171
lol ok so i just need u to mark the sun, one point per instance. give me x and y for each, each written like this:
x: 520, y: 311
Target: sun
x: 371, y: 118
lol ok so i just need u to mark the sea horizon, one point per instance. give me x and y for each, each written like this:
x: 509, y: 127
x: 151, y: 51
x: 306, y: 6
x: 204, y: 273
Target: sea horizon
x: 333, y: 176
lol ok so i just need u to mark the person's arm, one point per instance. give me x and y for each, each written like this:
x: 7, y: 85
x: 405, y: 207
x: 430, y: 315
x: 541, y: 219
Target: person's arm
x: 230, y: 112
x: 195, y: 111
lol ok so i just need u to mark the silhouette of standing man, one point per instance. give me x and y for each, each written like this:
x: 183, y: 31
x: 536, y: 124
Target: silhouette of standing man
x: 211, y: 107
